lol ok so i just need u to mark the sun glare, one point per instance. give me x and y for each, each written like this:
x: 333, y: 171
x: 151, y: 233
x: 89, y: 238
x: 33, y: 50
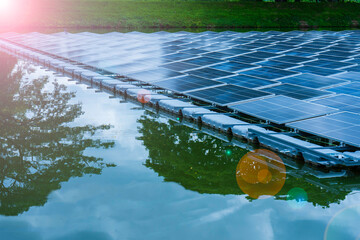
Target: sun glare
x: 4, y: 5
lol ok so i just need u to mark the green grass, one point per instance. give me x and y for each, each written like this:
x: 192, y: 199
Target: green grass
x: 185, y: 14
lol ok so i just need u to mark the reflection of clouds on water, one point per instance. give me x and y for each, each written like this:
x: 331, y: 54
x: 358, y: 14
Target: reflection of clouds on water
x: 344, y: 224
x: 132, y: 201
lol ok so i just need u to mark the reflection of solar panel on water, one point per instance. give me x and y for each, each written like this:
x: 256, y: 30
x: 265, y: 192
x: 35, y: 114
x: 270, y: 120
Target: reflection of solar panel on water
x: 307, y: 80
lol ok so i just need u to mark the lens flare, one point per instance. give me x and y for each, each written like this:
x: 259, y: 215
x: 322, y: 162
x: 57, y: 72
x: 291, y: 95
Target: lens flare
x: 228, y: 152
x: 144, y: 96
x: 4, y: 5
x: 260, y: 173
x: 344, y: 223
x: 297, y: 197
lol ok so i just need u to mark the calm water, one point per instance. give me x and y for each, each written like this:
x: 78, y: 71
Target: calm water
x: 76, y: 164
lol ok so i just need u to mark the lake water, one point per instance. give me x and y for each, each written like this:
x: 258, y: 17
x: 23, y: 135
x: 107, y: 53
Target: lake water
x: 82, y: 165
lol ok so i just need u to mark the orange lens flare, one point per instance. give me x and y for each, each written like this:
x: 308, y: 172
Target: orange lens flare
x: 260, y: 173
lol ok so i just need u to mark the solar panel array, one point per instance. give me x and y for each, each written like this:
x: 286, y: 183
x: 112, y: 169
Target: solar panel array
x: 252, y: 72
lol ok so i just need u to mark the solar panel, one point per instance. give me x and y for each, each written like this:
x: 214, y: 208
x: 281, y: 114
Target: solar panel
x: 293, y: 59
x: 354, y: 60
x: 194, y: 51
x: 233, y: 66
x: 277, y: 64
x: 177, y: 56
x: 343, y: 102
x: 217, y: 55
x: 281, y: 109
x: 210, y: 73
x: 128, y: 68
x: 312, y: 81
x: 329, y: 57
x: 203, y: 61
x: 261, y: 55
x: 244, y: 59
x: 329, y: 64
x: 186, y: 83
x: 269, y: 73
x: 227, y: 94
x: 317, y: 70
x: 353, y: 69
x: 247, y: 81
x: 250, y: 46
x: 309, y: 50
x: 279, y: 48
x: 351, y: 89
x: 179, y: 66
x: 234, y: 51
x: 352, y: 76
x: 343, y: 127
x: 295, y: 91
x: 154, y: 75
x: 296, y: 53
x: 339, y: 53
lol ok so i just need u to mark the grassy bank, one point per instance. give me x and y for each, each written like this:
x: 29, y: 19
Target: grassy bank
x: 179, y: 14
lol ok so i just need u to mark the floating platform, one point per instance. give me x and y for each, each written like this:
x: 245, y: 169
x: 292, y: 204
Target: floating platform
x: 295, y: 92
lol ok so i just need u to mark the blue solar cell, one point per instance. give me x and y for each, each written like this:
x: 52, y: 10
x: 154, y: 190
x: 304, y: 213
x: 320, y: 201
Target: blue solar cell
x: 317, y: 70
x: 154, y: 75
x: 210, y: 73
x: 233, y: 66
x: 281, y: 109
x: 329, y: 57
x: 351, y: 89
x: 309, y: 50
x: 250, y: 46
x: 312, y: 81
x: 234, y: 51
x: 179, y: 66
x: 217, y: 55
x: 269, y: 73
x: 353, y: 69
x: 355, y: 60
x: 261, y: 55
x: 329, y: 64
x: 295, y: 91
x: 194, y: 51
x: 351, y: 76
x: 227, y: 94
x: 203, y: 61
x: 244, y: 59
x: 279, y: 48
x: 293, y: 59
x: 296, y: 53
x: 277, y: 64
x: 186, y: 83
x: 341, y: 101
x: 177, y: 56
x: 338, y: 53
x: 247, y: 81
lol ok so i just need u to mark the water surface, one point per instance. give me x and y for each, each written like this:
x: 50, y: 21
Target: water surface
x: 76, y: 164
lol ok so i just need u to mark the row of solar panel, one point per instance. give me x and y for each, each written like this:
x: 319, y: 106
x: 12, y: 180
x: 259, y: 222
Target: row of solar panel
x: 223, y: 74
